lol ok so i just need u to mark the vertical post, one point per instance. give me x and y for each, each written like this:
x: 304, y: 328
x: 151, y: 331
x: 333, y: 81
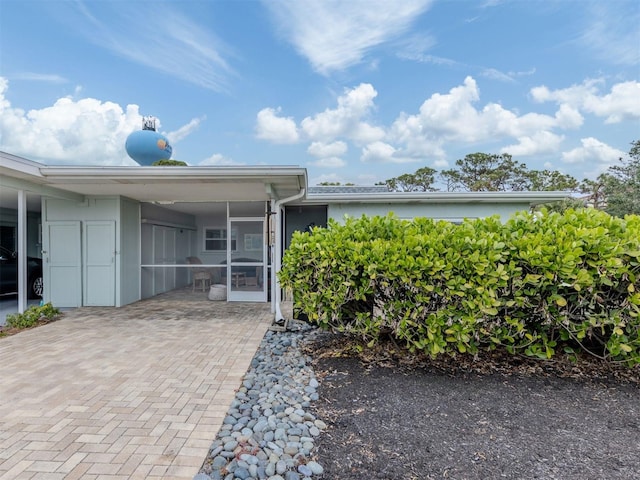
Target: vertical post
x: 22, y: 251
x: 274, y: 224
x: 277, y: 293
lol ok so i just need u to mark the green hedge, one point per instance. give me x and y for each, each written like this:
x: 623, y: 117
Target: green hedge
x: 537, y: 284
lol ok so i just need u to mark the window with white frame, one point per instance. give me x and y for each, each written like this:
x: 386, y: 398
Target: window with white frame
x: 215, y: 239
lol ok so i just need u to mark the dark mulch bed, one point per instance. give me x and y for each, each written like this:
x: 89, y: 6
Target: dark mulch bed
x: 497, y: 416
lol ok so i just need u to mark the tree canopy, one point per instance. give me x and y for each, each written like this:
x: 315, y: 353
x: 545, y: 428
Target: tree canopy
x: 621, y: 184
x: 420, y: 181
x: 169, y: 163
x: 617, y: 191
x: 483, y: 172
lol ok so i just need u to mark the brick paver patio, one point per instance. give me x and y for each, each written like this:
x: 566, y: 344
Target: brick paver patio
x: 137, y: 392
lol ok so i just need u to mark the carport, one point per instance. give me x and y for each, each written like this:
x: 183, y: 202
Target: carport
x: 114, y: 235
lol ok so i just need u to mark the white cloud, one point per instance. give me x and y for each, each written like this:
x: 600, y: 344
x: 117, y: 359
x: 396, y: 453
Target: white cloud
x: 573, y: 95
x: 363, y: 133
x: 40, y: 77
x: 334, y: 35
x: 407, y: 131
x: 537, y: 144
x: 329, y: 162
x: 449, y: 117
x: 328, y: 154
x: 276, y: 129
x: 523, y: 73
x: 380, y: 152
x: 611, y: 31
x: 414, y: 48
x: 442, y: 118
x: 159, y: 37
x: 219, y: 160
x: 323, y: 150
x: 377, y: 152
x: 620, y: 104
x: 85, y: 131
x: 184, y: 131
x: 511, y: 76
x: 427, y: 58
x: 454, y: 117
x: 569, y: 117
x: 347, y: 119
x: 593, y: 150
x: 441, y: 163
x: 623, y: 103
x: 495, y: 74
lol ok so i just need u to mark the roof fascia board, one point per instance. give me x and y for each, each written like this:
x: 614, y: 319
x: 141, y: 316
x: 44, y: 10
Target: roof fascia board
x: 13, y: 163
x: 54, y: 172
x: 439, y: 197
x: 39, y: 189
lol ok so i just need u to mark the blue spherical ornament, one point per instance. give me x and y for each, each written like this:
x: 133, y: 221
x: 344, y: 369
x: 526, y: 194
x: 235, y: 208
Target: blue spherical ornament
x: 148, y: 146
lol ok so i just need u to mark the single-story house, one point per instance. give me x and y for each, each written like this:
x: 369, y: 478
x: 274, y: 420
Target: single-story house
x: 110, y: 236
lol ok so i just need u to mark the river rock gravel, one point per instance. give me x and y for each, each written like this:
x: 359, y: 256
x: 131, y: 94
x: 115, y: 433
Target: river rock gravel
x: 269, y: 432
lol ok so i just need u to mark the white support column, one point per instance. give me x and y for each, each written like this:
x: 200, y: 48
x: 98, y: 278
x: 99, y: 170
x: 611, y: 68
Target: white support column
x: 274, y: 225
x: 279, y: 247
x: 22, y: 251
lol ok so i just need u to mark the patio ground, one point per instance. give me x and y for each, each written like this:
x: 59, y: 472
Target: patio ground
x: 137, y: 392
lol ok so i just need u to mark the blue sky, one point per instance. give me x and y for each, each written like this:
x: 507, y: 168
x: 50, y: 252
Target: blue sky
x: 355, y: 91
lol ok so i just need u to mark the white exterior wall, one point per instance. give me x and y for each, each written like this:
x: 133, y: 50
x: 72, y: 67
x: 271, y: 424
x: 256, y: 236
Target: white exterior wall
x: 91, y: 210
x: 440, y: 211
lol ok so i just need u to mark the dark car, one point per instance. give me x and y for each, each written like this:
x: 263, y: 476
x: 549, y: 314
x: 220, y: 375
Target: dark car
x: 9, y: 274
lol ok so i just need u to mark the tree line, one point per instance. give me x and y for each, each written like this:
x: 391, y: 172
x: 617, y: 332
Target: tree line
x: 616, y: 191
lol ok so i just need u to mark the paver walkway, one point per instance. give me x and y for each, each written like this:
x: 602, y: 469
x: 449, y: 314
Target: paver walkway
x: 137, y: 392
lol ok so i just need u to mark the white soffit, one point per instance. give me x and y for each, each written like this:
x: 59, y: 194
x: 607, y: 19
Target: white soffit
x: 180, y: 184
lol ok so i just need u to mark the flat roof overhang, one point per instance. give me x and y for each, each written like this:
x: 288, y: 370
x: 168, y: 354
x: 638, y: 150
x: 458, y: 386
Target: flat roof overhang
x: 532, y: 198
x: 162, y: 184
x: 181, y: 184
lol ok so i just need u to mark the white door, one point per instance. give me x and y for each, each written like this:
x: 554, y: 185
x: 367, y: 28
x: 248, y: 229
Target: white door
x: 99, y: 251
x: 62, y: 262
x: 246, y: 259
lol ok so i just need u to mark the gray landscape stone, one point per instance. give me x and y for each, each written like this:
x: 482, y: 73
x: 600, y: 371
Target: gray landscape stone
x: 268, y: 422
